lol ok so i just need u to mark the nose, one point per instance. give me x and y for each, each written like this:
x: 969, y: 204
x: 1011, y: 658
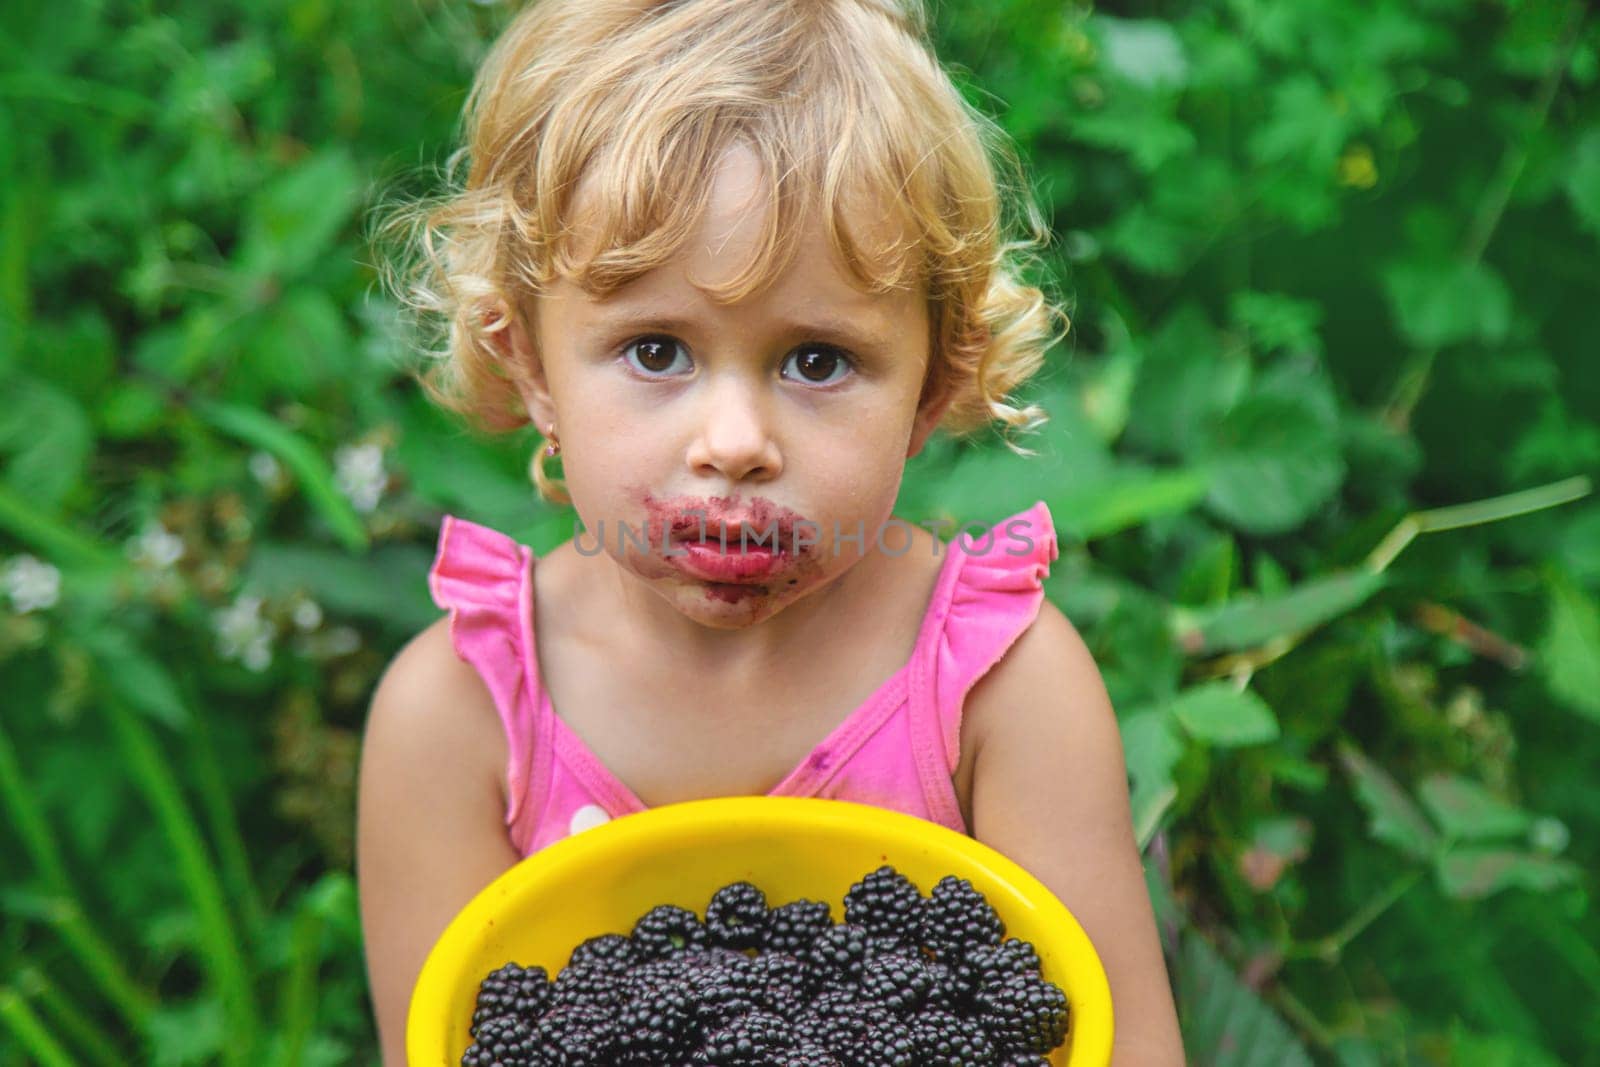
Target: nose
x: 734, y: 438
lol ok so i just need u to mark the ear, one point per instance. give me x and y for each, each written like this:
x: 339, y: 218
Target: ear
x: 510, y: 333
x: 929, y: 411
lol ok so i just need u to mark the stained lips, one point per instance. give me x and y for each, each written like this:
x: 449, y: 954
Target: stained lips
x: 716, y: 540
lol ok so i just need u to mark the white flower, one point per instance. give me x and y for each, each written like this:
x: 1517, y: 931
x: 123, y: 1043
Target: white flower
x: 31, y: 583
x: 243, y: 634
x: 359, y: 474
x: 307, y: 614
x: 264, y: 466
x: 157, y: 547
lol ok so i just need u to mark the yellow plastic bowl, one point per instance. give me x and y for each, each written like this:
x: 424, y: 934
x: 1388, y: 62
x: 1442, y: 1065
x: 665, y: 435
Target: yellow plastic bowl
x: 603, y: 879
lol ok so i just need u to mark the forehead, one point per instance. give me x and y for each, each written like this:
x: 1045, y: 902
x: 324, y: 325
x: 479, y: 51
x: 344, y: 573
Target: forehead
x: 744, y: 238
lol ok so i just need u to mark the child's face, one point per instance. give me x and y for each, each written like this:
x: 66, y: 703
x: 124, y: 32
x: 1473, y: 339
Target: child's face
x: 797, y: 404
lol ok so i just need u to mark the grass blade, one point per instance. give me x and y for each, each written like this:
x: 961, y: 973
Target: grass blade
x: 1249, y: 621
x: 30, y: 1032
x: 297, y: 1012
x: 58, y: 541
x: 1127, y: 499
x: 219, y: 941
x: 92, y: 951
x: 223, y: 820
x: 75, y: 1023
x: 254, y: 428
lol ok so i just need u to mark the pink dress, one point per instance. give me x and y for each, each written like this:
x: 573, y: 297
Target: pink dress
x: 898, y: 750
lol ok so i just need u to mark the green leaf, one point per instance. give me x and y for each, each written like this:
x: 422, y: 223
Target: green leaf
x: 387, y: 584
x: 48, y: 437
x: 1583, y: 180
x: 1475, y: 872
x: 1278, y: 322
x: 300, y: 344
x: 1186, y: 381
x: 984, y: 484
x: 1224, y: 1023
x: 1392, y: 817
x: 1274, y: 458
x: 1150, y: 138
x: 133, y: 409
x: 1152, y: 748
x: 256, y: 429
x: 145, y: 683
x: 25, y: 520
x: 1124, y: 500
x: 1148, y: 240
x: 1464, y: 809
x: 1219, y: 714
x: 1302, y: 126
x: 1445, y: 301
x: 1569, y: 655
x: 188, y: 1034
x: 295, y: 218
x: 1496, y: 1050
x: 1579, y: 551
x: 1248, y: 621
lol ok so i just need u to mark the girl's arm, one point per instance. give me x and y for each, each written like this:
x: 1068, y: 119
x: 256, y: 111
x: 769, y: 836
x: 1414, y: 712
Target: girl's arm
x: 1050, y: 790
x: 431, y: 821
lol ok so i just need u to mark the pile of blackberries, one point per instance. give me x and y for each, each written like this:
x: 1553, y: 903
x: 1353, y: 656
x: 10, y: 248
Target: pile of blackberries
x: 904, y: 981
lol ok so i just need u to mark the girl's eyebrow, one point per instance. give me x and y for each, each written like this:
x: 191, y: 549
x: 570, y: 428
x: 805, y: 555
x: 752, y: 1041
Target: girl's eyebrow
x: 842, y: 332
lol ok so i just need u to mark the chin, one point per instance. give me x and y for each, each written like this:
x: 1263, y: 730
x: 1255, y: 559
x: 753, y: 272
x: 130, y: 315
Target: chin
x: 728, y: 610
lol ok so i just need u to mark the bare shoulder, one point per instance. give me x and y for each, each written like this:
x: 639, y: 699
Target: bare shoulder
x: 1046, y: 682
x: 428, y: 693
x: 431, y: 814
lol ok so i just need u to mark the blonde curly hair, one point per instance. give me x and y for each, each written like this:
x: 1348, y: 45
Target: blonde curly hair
x: 842, y: 101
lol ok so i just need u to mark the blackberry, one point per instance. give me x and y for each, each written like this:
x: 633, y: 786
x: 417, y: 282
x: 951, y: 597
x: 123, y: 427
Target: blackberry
x: 577, y: 1035
x: 956, y: 917
x: 806, y: 1056
x: 949, y: 988
x: 667, y: 929
x: 511, y: 991
x: 588, y: 985
x: 793, y: 926
x: 1024, y: 1011
x: 654, y: 974
x: 838, y: 954
x: 836, y: 1020
x: 990, y: 964
x: 737, y: 916
x: 886, y: 1043
x: 752, y: 1040
x: 652, y: 1027
x: 784, y: 983
x: 725, y: 991
x: 613, y: 952
x: 503, y: 1041
x: 899, y: 981
x: 887, y: 905
x: 944, y: 1040
x: 1021, y: 1059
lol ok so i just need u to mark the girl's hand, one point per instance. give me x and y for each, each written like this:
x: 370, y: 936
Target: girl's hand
x: 1050, y: 791
x: 431, y: 827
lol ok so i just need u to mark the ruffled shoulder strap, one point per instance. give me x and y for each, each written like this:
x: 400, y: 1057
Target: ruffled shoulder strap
x: 481, y: 577
x: 990, y: 599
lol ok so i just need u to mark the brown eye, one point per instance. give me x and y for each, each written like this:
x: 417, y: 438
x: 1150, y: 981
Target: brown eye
x: 655, y: 354
x: 818, y: 364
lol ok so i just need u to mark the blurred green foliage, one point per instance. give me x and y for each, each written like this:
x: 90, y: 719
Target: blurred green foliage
x: 1331, y: 265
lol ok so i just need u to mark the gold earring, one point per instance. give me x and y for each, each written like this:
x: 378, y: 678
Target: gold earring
x: 554, y: 447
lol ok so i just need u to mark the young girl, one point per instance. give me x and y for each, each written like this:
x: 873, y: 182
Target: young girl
x: 737, y: 260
